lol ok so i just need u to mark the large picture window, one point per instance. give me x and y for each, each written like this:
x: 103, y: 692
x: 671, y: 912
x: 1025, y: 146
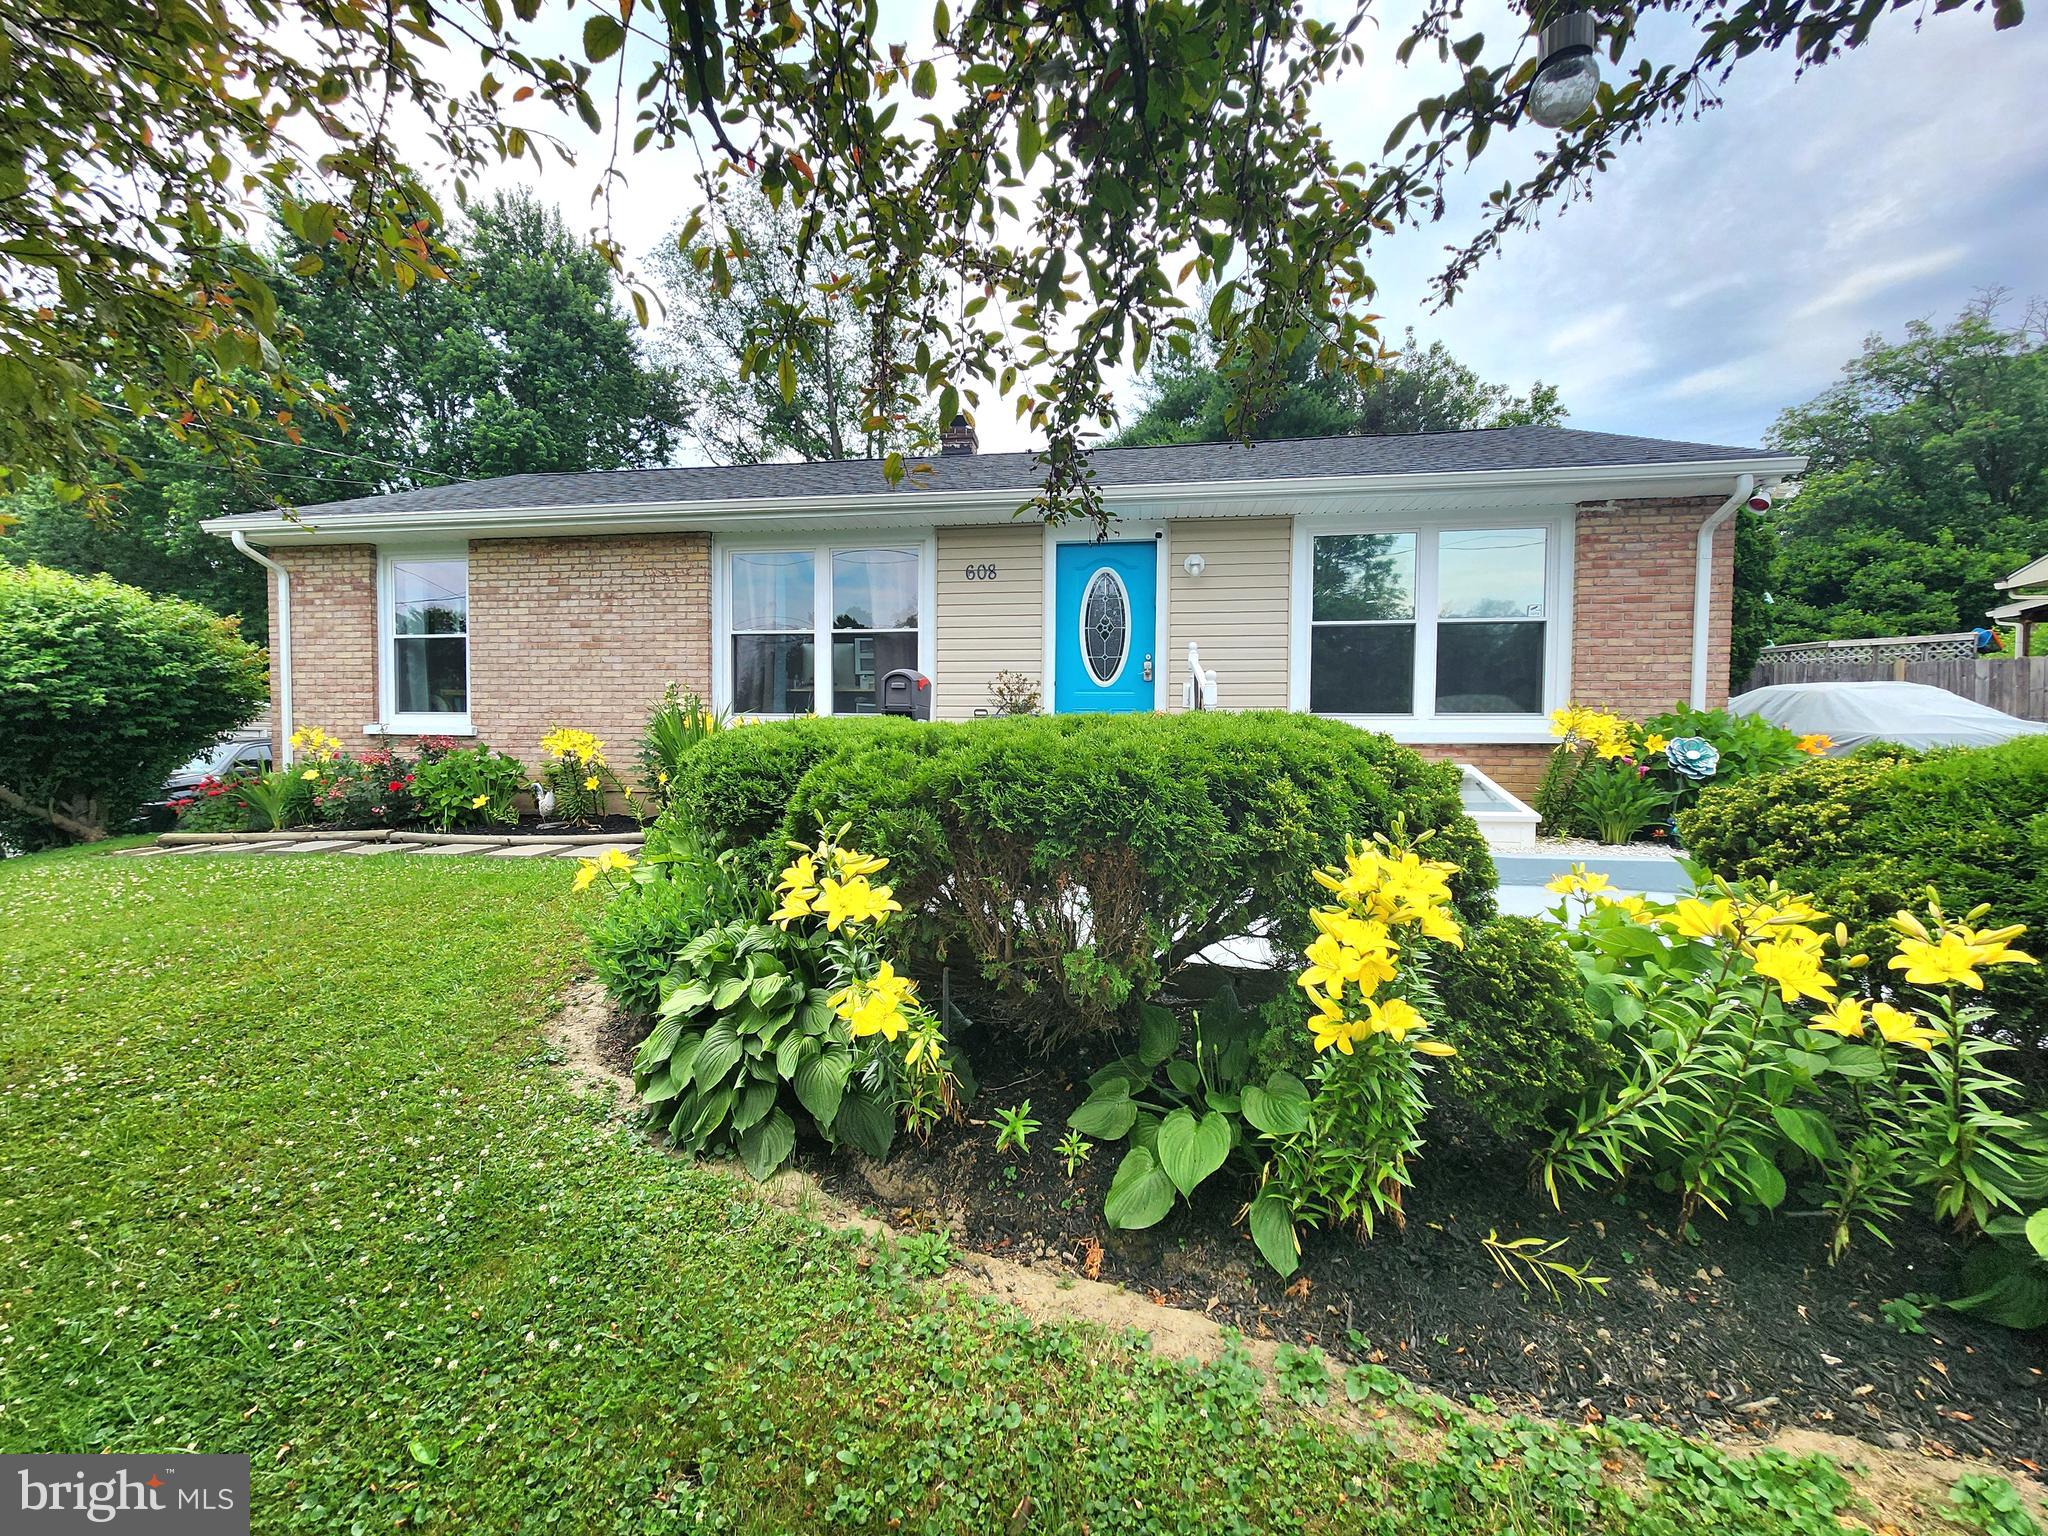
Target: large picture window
x: 1431, y: 623
x: 427, y: 642
x: 815, y: 630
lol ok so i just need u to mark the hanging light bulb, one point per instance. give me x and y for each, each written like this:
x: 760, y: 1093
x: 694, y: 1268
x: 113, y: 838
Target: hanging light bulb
x: 1569, y: 76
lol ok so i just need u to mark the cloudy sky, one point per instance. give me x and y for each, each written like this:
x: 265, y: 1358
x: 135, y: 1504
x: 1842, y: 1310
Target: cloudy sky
x: 1725, y: 267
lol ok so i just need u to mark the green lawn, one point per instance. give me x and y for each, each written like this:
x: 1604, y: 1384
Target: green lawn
x: 285, y: 1170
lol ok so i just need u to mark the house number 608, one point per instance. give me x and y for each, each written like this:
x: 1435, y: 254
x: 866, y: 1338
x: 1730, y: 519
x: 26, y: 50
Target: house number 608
x: 985, y: 572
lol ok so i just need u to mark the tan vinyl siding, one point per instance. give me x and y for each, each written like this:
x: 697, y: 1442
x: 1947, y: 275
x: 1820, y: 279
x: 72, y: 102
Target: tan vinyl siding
x: 986, y: 626
x: 1236, y: 610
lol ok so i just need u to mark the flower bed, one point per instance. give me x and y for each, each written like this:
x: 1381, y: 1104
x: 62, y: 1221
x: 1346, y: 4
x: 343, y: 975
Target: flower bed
x: 1711, y: 1125
x: 1614, y: 780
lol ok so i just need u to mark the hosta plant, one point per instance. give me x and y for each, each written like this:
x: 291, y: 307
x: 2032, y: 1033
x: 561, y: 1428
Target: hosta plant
x: 470, y: 786
x: 1185, y: 1113
x: 795, y: 1010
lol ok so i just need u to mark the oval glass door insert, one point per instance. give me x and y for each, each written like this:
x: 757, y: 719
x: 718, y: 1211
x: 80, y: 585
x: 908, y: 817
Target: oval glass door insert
x: 1105, y: 626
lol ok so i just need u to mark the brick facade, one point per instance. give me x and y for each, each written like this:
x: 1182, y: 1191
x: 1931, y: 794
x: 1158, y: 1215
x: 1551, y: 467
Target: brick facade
x: 334, y: 640
x: 1632, y: 604
x: 587, y: 631
x: 562, y: 631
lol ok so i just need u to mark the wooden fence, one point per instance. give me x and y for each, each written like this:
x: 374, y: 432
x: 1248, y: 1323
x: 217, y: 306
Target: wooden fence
x: 2017, y: 685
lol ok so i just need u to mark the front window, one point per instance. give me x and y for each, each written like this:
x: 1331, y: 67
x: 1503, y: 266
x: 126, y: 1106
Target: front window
x: 1490, y: 622
x: 1451, y: 622
x: 816, y: 630
x: 774, y: 639
x: 874, y: 624
x: 429, y: 637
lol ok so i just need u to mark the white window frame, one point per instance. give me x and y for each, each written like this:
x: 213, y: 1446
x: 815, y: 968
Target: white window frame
x: 429, y: 723
x: 922, y: 542
x: 1424, y: 725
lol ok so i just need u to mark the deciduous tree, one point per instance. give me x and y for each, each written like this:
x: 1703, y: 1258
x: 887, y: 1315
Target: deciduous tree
x: 1065, y: 170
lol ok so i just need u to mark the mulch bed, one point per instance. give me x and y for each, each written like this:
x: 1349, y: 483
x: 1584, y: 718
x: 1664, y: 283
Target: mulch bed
x: 1744, y: 1333
x: 533, y: 826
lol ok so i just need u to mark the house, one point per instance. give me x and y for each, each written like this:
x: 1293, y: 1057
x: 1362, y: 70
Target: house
x: 1450, y: 589
x: 2026, y: 604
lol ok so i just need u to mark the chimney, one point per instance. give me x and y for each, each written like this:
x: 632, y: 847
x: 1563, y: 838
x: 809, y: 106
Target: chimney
x: 958, y: 438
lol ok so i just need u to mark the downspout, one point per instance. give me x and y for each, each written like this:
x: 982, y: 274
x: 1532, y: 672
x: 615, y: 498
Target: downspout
x: 281, y: 749
x: 1703, y: 584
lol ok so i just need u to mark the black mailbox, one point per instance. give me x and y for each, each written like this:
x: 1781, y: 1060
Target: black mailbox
x: 906, y: 692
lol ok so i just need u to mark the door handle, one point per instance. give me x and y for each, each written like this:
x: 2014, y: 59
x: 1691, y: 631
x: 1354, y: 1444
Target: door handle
x: 1148, y: 666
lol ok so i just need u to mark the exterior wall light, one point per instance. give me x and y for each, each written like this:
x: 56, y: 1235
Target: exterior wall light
x: 1194, y: 565
x: 1569, y: 76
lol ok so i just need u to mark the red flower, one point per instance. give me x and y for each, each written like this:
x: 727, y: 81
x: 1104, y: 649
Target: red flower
x: 395, y: 786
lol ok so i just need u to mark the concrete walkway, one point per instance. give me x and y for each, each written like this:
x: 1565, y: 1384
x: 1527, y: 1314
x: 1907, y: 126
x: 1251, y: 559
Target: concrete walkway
x: 522, y: 848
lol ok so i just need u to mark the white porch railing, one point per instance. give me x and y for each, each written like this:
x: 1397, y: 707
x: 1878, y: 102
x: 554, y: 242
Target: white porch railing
x: 1199, y: 691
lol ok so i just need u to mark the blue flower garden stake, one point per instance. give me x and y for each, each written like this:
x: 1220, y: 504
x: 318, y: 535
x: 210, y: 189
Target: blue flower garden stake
x: 1693, y: 757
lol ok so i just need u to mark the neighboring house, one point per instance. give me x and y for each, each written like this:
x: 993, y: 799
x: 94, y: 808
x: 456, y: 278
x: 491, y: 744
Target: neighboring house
x: 1450, y: 589
x: 2026, y: 591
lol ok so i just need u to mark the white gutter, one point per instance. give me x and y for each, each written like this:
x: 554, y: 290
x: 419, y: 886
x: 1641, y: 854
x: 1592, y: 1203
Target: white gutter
x: 1573, y: 482
x: 281, y: 749
x: 1703, y: 584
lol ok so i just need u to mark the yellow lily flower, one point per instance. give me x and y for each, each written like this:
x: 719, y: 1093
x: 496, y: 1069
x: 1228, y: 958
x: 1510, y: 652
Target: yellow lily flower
x: 1902, y: 1028
x: 854, y: 901
x: 1797, y: 971
x: 479, y: 802
x: 1696, y: 919
x: 1435, y: 1048
x: 1946, y: 962
x: 1815, y: 744
x: 1845, y: 1018
x: 1394, y: 1018
x: 1654, y: 743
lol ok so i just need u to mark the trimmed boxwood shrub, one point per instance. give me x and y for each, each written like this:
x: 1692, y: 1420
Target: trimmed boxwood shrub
x: 735, y: 789
x: 1514, y: 1007
x: 1868, y: 834
x: 1077, y: 861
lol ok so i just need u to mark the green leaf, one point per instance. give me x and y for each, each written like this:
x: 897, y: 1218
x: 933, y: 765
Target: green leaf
x: 1765, y: 1182
x: 767, y: 1146
x: 1158, y: 1034
x: 1183, y: 1075
x: 755, y: 1101
x: 718, y: 1055
x: 1806, y: 1129
x: 659, y: 1046
x: 1139, y: 1195
x: 1856, y: 1061
x: 2037, y: 1231
x: 728, y: 992
x: 924, y: 82
x: 1107, y: 1112
x: 867, y: 1121
x: 820, y: 1083
x: 1272, y: 1227
x: 1030, y: 140
x: 603, y: 36
x: 1278, y: 1107
x: 1190, y: 1149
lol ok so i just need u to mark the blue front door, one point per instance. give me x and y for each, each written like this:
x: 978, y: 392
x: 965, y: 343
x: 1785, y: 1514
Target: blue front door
x: 1105, y: 599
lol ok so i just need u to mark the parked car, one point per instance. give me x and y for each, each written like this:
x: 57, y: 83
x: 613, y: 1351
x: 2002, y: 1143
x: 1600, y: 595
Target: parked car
x: 1852, y: 715
x: 229, y: 755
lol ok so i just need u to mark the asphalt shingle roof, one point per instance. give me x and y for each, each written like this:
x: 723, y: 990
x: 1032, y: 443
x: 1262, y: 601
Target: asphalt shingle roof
x: 1499, y: 448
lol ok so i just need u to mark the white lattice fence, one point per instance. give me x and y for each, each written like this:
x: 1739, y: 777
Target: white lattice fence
x: 1961, y: 646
